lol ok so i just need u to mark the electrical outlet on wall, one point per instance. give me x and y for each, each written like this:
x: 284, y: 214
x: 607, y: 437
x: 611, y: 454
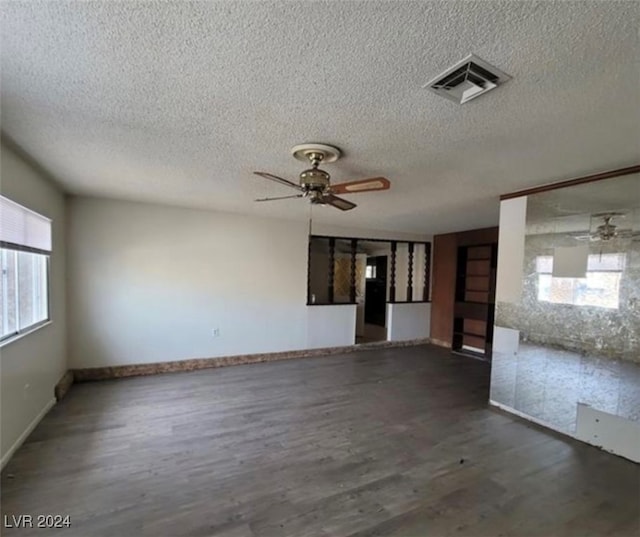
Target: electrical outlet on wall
x: 215, y: 332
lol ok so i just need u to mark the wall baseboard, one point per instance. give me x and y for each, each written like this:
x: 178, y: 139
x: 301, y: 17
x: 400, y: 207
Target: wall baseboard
x: 156, y: 368
x: 26, y: 433
x: 441, y: 343
x: 63, y: 386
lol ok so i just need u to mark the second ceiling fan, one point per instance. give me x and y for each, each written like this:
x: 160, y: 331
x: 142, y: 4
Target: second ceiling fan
x: 315, y: 183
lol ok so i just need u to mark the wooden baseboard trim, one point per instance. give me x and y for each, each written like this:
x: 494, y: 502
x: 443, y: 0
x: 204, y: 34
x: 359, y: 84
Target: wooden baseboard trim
x: 156, y: 368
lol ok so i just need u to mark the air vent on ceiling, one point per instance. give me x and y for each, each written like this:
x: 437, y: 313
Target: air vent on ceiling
x: 467, y: 80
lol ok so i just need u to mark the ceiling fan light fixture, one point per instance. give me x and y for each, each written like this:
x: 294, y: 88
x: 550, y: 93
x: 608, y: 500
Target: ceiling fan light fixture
x: 316, y: 197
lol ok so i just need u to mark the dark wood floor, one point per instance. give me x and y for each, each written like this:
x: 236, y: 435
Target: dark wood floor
x: 396, y: 442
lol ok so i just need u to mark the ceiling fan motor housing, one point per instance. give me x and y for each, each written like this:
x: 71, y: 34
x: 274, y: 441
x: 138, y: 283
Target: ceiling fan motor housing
x: 607, y: 231
x: 314, y: 180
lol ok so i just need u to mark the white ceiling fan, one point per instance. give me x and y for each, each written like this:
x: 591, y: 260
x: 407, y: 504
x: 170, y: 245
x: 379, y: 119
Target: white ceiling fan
x: 315, y: 183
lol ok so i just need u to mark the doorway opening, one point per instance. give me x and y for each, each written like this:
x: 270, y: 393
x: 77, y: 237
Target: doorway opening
x: 376, y: 281
x: 375, y: 300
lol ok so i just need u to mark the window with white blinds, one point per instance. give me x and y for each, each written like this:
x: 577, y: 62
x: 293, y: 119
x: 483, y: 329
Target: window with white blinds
x: 21, y: 227
x: 25, y: 247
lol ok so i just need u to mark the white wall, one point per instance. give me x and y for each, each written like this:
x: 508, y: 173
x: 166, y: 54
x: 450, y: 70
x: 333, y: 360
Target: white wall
x: 408, y: 321
x: 331, y: 326
x: 32, y: 365
x: 151, y: 282
x: 511, y: 236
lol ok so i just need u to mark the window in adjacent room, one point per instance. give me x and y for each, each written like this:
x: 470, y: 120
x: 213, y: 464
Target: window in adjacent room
x: 600, y: 288
x: 370, y: 271
x: 25, y: 248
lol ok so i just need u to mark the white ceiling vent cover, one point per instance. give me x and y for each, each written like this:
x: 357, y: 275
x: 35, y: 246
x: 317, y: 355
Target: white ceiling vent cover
x: 467, y: 80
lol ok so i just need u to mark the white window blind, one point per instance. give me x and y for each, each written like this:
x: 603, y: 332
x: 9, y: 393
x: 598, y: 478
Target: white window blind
x: 23, y: 227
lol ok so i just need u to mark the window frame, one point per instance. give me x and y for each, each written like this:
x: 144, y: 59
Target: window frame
x: 19, y: 332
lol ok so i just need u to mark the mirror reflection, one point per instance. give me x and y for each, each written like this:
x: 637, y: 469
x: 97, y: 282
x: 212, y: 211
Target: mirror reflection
x: 573, y: 335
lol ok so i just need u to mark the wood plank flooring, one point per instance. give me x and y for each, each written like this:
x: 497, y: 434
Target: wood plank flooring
x: 390, y: 442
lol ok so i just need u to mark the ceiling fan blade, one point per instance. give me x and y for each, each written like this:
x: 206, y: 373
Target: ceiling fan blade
x: 338, y: 203
x: 281, y: 198
x: 627, y: 233
x: 363, y: 185
x: 277, y: 179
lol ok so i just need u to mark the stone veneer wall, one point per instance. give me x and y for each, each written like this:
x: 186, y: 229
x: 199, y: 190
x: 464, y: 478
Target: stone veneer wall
x: 590, y: 330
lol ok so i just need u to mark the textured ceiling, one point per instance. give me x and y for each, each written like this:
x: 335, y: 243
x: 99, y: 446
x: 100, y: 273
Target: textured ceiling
x: 177, y: 102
